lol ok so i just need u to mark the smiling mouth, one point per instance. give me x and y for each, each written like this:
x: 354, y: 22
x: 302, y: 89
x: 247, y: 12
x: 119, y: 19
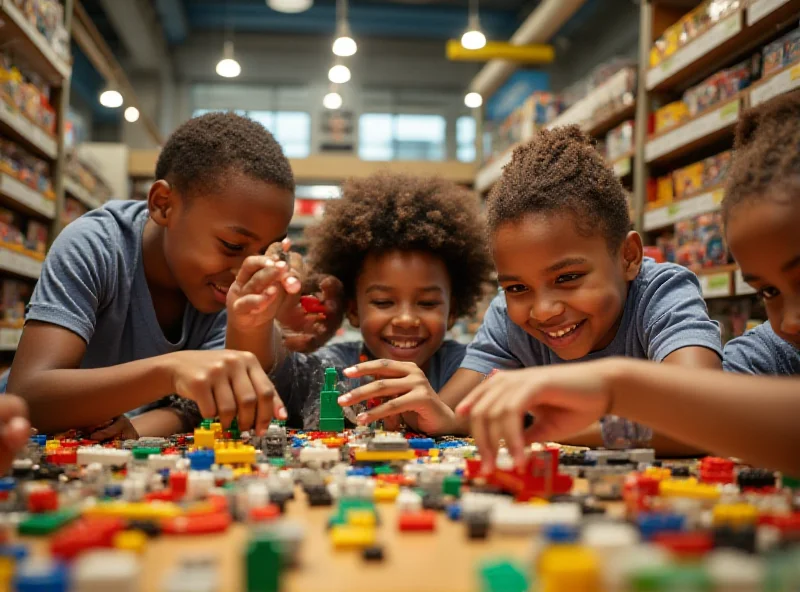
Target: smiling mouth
x: 219, y: 288
x: 562, y: 332
x: 404, y: 342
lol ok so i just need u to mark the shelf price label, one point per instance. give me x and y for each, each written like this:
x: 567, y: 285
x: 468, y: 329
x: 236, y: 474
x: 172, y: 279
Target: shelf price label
x: 783, y: 82
x: 716, y: 285
x: 622, y: 167
x: 9, y: 338
x: 761, y: 8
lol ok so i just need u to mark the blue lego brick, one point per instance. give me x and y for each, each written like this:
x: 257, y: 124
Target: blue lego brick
x: 18, y: 552
x: 39, y: 439
x: 360, y: 472
x: 650, y: 524
x: 298, y: 442
x: 561, y: 533
x: 113, y: 490
x: 53, y: 577
x: 421, y: 443
x: 454, y: 512
x: 201, y: 460
x: 7, y: 483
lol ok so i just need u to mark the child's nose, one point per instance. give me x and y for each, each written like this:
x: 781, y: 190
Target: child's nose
x: 406, y: 319
x: 545, y: 308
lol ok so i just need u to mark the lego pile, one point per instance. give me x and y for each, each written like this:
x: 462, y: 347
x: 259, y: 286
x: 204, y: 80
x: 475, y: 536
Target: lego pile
x: 707, y: 525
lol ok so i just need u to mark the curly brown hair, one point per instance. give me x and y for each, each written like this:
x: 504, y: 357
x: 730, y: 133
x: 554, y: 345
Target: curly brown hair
x: 387, y: 212
x: 560, y: 170
x: 766, y: 156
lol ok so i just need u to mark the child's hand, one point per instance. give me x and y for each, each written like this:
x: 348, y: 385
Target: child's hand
x: 228, y: 384
x: 563, y: 399
x: 14, y: 429
x: 119, y: 428
x: 260, y: 289
x: 308, y: 331
x: 411, y: 396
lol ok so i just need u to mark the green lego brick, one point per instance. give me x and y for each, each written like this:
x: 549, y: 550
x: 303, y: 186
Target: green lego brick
x: 790, y: 482
x: 331, y: 424
x: 42, y: 524
x: 263, y: 563
x: 672, y: 578
x: 234, y: 431
x: 278, y: 462
x: 347, y: 504
x: 503, y: 576
x: 206, y: 424
x: 141, y: 453
x: 329, y: 407
x: 452, y: 485
x: 384, y: 470
x: 330, y: 379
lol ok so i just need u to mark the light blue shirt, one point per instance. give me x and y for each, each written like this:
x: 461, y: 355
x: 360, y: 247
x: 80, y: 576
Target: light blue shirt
x: 761, y: 351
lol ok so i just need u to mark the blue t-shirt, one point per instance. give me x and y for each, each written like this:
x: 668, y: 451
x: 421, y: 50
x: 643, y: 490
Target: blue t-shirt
x: 761, y: 351
x: 664, y: 312
x: 300, y: 377
x: 93, y: 283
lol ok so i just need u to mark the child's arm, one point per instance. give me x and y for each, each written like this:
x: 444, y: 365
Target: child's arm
x: 710, y: 410
x: 14, y: 429
x: 47, y: 374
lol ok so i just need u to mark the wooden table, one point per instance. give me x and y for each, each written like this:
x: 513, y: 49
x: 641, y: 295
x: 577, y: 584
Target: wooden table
x: 442, y: 561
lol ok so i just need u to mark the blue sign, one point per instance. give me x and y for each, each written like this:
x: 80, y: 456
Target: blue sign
x: 513, y: 93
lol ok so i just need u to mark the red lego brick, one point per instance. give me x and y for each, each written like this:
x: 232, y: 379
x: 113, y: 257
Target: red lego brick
x: 685, y: 544
x: 266, y: 513
x: 165, y: 495
x: 177, y: 482
x: 63, y: 456
x: 197, y: 524
x: 424, y: 520
x: 785, y: 524
x: 717, y: 470
x: 312, y: 305
x: 85, y: 534
x: 42, y: 500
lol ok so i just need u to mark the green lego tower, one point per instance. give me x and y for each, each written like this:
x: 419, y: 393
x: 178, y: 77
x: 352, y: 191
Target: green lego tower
x: 331, y: 417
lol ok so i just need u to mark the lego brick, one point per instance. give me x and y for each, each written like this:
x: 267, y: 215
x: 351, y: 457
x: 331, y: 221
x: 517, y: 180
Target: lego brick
x: 386, y: 492
x: 231, y: 453
x: 526, y: 519
x: 158, y: 462
x: 345, y: 536
x: 103, y: 570
x: 85, y: 534
x: 204, y: 438
x: 130, y: 540
x: 422, y: 521
x: 327, y: 424
x: 134, y: 510
x: 370, y: 456
x: 42, y: 524
x: 104, y: 456
x: 503, y: 576
x: 373, y: 553
x: 263, y: 563
x: 198, y: 524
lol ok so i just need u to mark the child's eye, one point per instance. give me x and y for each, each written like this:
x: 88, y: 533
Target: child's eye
x: 429, y: 303
x: 515, y: 289
x: 768, y: 292
x: 231, y: 246
x: 568, y: 277
x: 381, y: 303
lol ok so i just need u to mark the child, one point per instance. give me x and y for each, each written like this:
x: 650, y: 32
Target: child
x: 130, y: 305
x: 411, y: 256
x: 762, y: 212
x: 575, y: 283
x: 14, y: 429
x: 762, y: 217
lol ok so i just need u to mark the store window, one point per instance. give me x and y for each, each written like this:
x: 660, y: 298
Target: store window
x: 465, y: 138
x: 386, y: 136
x: 292, y: 129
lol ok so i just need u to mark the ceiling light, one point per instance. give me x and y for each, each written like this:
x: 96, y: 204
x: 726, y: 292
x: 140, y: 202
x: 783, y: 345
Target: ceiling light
x: 473, y: 100
x: 339, y: 74
x: 290, y: 6
x: 333, y: 100
x: 111, y: 98
x: 345, y: 46
x: 131, y: 114
x: 228, y: 67
x: 473, y: 38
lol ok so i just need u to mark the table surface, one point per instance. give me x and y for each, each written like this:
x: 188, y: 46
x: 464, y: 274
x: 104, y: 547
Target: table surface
x: 442, y: 561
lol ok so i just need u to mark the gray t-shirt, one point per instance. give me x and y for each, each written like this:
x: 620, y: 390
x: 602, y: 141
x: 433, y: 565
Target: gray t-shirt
x: 93, y: 284
x: 761, y: 351
x: 300, y: 377
x: 664, y: 312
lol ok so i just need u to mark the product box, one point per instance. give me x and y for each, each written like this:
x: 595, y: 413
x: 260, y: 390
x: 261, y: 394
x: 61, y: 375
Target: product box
x: 671, y: 115
x: 688, y: 180
x: 665, y: 190
x: 773, y: 57
x: 619, y: 141
x: 715, y: 169
x: 36, y: 237
x: 667, y: 245
x: 10, y: 228
x: 14, y: 297
x: 711, y: 238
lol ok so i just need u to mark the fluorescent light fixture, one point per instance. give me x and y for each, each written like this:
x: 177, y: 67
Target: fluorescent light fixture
x: 131, y: 114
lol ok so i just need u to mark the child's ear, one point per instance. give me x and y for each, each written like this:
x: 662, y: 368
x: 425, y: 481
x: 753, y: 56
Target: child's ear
x: 160, y: 202
x: 352, y: 313
x: 632, y: 253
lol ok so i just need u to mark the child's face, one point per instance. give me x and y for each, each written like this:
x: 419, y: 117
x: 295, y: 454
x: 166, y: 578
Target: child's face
x: 209, y: 236
x: 764, y: 239
x: 565, y: 289
x: 402, y: 305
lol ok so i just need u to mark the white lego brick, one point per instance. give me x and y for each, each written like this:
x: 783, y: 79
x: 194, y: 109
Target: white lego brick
x: 642, y: 455
x: 609, y: 537
x: 106, y: 569
x: 388, y: 441
x: 198, y: 484
x: 133, y: 489
x: 104, y: 456
x: 156, y: 482
x: 159, y: 462
x: 257, y: 494
x: 504, y: 461
x: 527, y: 519
x: 359, y: 487
x: 459, y: 451
x: 735, y: 571
x: 408, y: 501
x: 474, y: 503
x: 318, y: 455
x: 617, y: 574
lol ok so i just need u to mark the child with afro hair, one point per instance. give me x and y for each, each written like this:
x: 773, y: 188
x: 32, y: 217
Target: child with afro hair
x: 411, y: 255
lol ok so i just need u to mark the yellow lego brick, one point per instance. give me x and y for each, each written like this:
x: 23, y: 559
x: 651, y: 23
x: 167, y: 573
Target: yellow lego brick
x: 234, y: 453
x: 333, y: 442
x: 6, y: 572
x: 364, y: 518
x: 130, y: 540
x: 688, y: 488
x: 203, y: 438
x: 243, y: 470
x: 352, y: 537
x: 52, y: 445
x: 135, y: 510
x: 538, y: 501
x: 659, y: 473
x: 569, y: 568
x: 433, y: 453
x: 216, y: 427
x: 386, y: 492
x: 734, y: 514
x: 384, y: 455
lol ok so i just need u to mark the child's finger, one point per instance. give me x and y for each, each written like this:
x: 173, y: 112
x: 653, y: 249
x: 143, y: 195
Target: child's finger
x: 246, y: 398
x: 16, y: 432
x: 291, y: 284
x: 267, y: 276
x: 511, y: 430
x: 465, y: 406
x: 266, y: 393
x: 225, y: 400
x: 12, y: 406
x: 392, y: 407
x: 380, y: 388
x: 379, y: 369
x: 252, y: 303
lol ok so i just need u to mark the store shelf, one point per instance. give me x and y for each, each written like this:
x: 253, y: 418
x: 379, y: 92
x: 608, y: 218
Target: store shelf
x: 599, y: 127
x: 717, y: 283
x: 32, y: 201
x: 81, y: 194
x: 781, y: 82
x: 741, y: 287
x: 489, y: 174
x: 704, y: 203
x: 732, y: 37
x: 19, y: 264
x: 623, y: 166
x: 583, y: 112
x: 27, y: 132
x: 32, y: 45
x: 9, y: 338
x: 702, y: 130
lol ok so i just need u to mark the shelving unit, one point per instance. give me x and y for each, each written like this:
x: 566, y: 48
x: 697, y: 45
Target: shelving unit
x: 35, y: 52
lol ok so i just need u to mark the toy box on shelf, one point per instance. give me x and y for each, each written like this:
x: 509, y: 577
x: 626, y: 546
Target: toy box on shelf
x: 691, y: 180
x: 25, y: 92
x: 47, y: 17
x: 619, y: 141
x: 20, y: 164
x: 21, y: 234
